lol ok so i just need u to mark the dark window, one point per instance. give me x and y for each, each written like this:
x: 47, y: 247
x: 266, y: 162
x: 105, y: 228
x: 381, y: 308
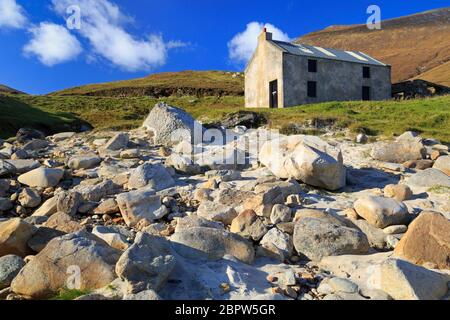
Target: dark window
x: 312, y: 89
x: 366, y: 93
x: 366, y: 72
x: 312, y: 65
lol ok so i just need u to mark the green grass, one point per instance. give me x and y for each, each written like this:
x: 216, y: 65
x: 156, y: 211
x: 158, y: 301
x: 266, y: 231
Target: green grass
x: 70, y: 294
x: 430, y: 117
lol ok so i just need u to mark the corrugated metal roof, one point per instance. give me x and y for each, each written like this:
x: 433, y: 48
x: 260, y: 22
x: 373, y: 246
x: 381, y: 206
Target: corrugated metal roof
x: 327, y: 53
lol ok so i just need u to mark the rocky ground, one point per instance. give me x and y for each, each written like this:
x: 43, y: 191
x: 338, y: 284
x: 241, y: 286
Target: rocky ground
x: 145, y: 215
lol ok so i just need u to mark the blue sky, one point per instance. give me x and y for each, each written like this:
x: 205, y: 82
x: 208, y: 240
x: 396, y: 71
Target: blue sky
x: 123, y: 39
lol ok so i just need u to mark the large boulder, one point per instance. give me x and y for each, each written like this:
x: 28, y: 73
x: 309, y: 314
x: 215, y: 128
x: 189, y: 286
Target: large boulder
x: 10, y: 266
x: 443, y: 164
x: 318, y: 238
x: 406, y: 147
x: 429, y: 178
x: 305, y: 158
x: 172, y: 125
x: 381, y: 212
x: 140, y: 204
x: 14, y: 235
x: 147, y: 263
x: 212, y: 244
x: 154, y: 176
x: 405, y: 281
x: 426, y: 241
x: 81, y: 258
x: 42, y: 177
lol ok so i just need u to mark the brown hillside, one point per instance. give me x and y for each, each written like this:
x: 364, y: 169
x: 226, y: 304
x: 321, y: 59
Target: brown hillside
x: 184, y: 83
x: 415, y: 46
x: 6, y: 89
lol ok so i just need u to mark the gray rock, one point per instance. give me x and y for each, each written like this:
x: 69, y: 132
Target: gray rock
x: 25, y: 134
x: 443, y: 164
x: 277, y: 244
x: 183, y: 164
x: 429, y: 178
x: 318, y: 238
x: 194, y: 222
x: 396, y: 229
x: 305, y: 158
x: 10, y: 266
x: 154, y: 176
x: 140, y: 204
x: 29, y: 198
x: 48, y: 208
x: 6, y: 168
x: 147, y: 295
x: 381, y: 212
x: 172, y: 125
x: 36, y: 220
x: 118, y: 142
x: 343, y: 285
x: 84, y: 162
x: 4, y: 187
x: 23, y: 166
x: 42, y: 177
x: 211, y: 244
x: 51, y: 268
x: 111, y: 237
x: 249, y: 225
x: 35, y: 145
x: 405, y: 281
x: 5, y: 204
x: 69, y: 202
x: 147, y: 263
x: 216, y: 212
x: 376, y: 236
x: 63, y: 222
x: 42, y: 237
x: 281, y: 213
x: 96, y: 192
x: 399, y: 151
x: 62, y: 136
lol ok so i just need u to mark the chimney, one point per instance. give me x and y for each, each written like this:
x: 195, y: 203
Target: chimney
x: 265, y: 35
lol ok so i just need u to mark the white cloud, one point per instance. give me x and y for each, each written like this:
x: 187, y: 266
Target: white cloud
x: 52, y: 44
x: 102, y: 24
x: 243, y: 45
x: 12, y: 15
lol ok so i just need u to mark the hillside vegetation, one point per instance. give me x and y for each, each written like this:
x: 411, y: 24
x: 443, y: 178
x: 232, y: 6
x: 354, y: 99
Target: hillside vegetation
x: 185, y: 83
x: 417, y: 46
x: 55, y: 113
x: 5, y: 89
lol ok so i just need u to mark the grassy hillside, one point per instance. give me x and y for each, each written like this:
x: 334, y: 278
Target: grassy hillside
x: 186, y: 83
x: 413, y: 45
x: 16, y: 112
x: 430, y: 116
x: 5, y: 89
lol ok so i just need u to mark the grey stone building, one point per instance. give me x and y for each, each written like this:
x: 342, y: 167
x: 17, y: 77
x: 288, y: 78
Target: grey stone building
x: 282, y: 74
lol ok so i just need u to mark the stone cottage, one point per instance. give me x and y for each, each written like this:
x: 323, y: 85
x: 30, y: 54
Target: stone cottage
x: 282, y: 74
